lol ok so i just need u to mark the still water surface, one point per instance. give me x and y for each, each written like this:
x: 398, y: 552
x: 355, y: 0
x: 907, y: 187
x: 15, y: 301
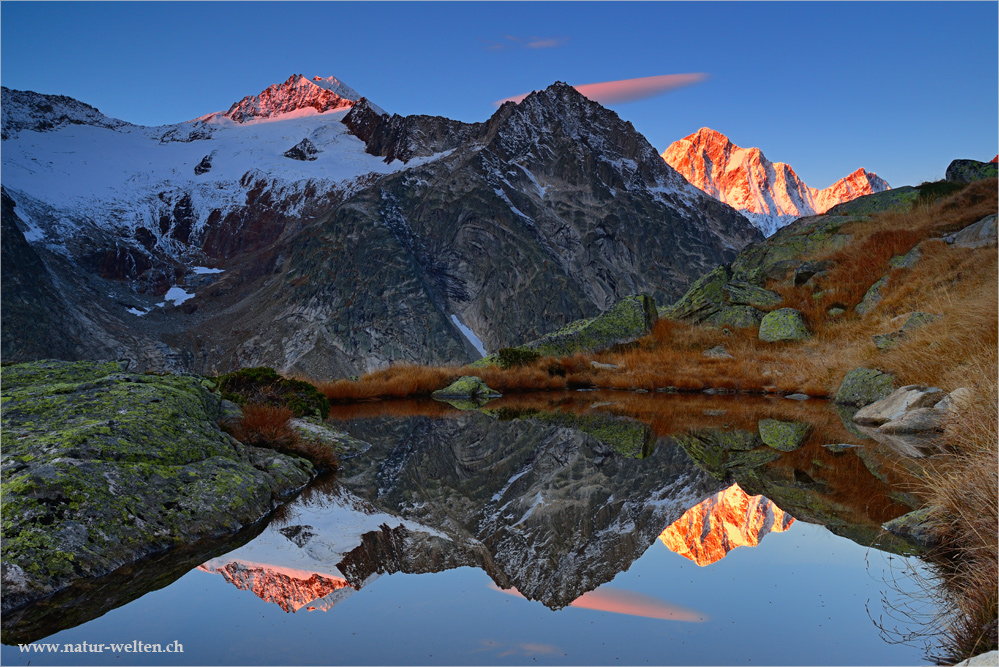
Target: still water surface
x: 530, y: 534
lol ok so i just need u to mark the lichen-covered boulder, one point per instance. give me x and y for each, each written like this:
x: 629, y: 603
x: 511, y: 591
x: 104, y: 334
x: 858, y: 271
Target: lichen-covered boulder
x: 628, y: 320
x: 783, y: 324
x: 897, y: 198
x: 717, y: 299
x: 101, y: 467
x: 782, y: 436
x: 467, y: 386
x: 863, y: 386
x: 906, y: 261
x: 741, y: 317
x: 966, y: 171
x: 872, y: 297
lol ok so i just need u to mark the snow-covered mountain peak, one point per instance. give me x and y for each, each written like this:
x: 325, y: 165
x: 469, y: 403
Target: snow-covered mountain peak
x: 770, y: 194
x: 298, y: 93
x: 27, y: 110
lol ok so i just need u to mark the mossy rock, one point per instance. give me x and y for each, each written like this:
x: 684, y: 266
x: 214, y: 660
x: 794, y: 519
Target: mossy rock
x: 863, y: 386
x: 906, y: 261
x: 741, y: 293
x: 626, y: 321
x: 742, y: 317
x: 466, y: 387
x: 101, y: 467
x: 885, y: 342
x: 872, y: 297
x: 783, y: 324
x: 778, y: 256
x: 705, y: 297
x: 915, y: 528
x: 966, y: 171
x: 511, y: 357
x: 263, y: 385
x: 916, y: 320
x: 900, y: 198
x: 782, y: 436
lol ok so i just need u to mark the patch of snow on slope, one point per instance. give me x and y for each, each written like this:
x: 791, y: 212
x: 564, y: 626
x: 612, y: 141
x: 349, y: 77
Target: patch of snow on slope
x: 203, y: 270
x: 469, y: 336
x: 177, y: 295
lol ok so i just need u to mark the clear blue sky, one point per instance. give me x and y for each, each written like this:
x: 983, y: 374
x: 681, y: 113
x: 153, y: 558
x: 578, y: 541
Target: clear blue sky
x: 898, y: 88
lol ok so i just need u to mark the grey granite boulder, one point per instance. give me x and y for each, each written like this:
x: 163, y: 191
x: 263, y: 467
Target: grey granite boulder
x: 896, y: 404
x: 976, y: 235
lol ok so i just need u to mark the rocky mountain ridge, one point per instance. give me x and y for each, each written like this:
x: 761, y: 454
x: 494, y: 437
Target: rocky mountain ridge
x: 770, y: 194
x: 303, y: 231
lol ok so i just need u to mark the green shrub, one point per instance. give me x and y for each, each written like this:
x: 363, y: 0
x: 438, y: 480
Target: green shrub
x: 516, y: 356
x: 930, y: 192
x: 264, y: 386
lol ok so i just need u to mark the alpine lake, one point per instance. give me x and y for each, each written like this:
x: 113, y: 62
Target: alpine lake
x: 578, y: 528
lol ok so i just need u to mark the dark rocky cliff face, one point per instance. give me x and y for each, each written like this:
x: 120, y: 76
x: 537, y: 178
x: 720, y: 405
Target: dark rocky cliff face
x: 550, y: 211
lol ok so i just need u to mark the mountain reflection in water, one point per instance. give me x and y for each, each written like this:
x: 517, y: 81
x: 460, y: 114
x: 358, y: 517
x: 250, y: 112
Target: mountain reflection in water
x: 729, y: 519
x: 552, y: 496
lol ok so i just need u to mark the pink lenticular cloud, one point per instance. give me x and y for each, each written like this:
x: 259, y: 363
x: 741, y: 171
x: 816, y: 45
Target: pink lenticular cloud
x: 619, y: 601
x: 628, y: 90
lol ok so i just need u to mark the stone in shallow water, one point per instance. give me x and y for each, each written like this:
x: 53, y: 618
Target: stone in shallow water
x: 899, y: 402
x: 467, y: 386
x: 913, y: 528
x: 863, y: 386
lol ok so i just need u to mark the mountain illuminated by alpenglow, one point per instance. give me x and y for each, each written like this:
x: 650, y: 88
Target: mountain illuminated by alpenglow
x: 729, y: 519
x: 769, y: 193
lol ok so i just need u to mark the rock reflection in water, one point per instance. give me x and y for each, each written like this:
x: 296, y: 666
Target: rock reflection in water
x: 552, y: 510
x: 552, y: 496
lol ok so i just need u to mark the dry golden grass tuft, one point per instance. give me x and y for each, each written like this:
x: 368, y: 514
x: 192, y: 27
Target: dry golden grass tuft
x: 962, y: 491
x: 267, y: 426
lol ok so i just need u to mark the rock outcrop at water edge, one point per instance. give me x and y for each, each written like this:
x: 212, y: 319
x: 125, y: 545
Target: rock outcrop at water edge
x: 101, y: 467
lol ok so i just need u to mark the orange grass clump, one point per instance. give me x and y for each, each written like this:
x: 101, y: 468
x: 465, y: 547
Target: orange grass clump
x: 267, y: 426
